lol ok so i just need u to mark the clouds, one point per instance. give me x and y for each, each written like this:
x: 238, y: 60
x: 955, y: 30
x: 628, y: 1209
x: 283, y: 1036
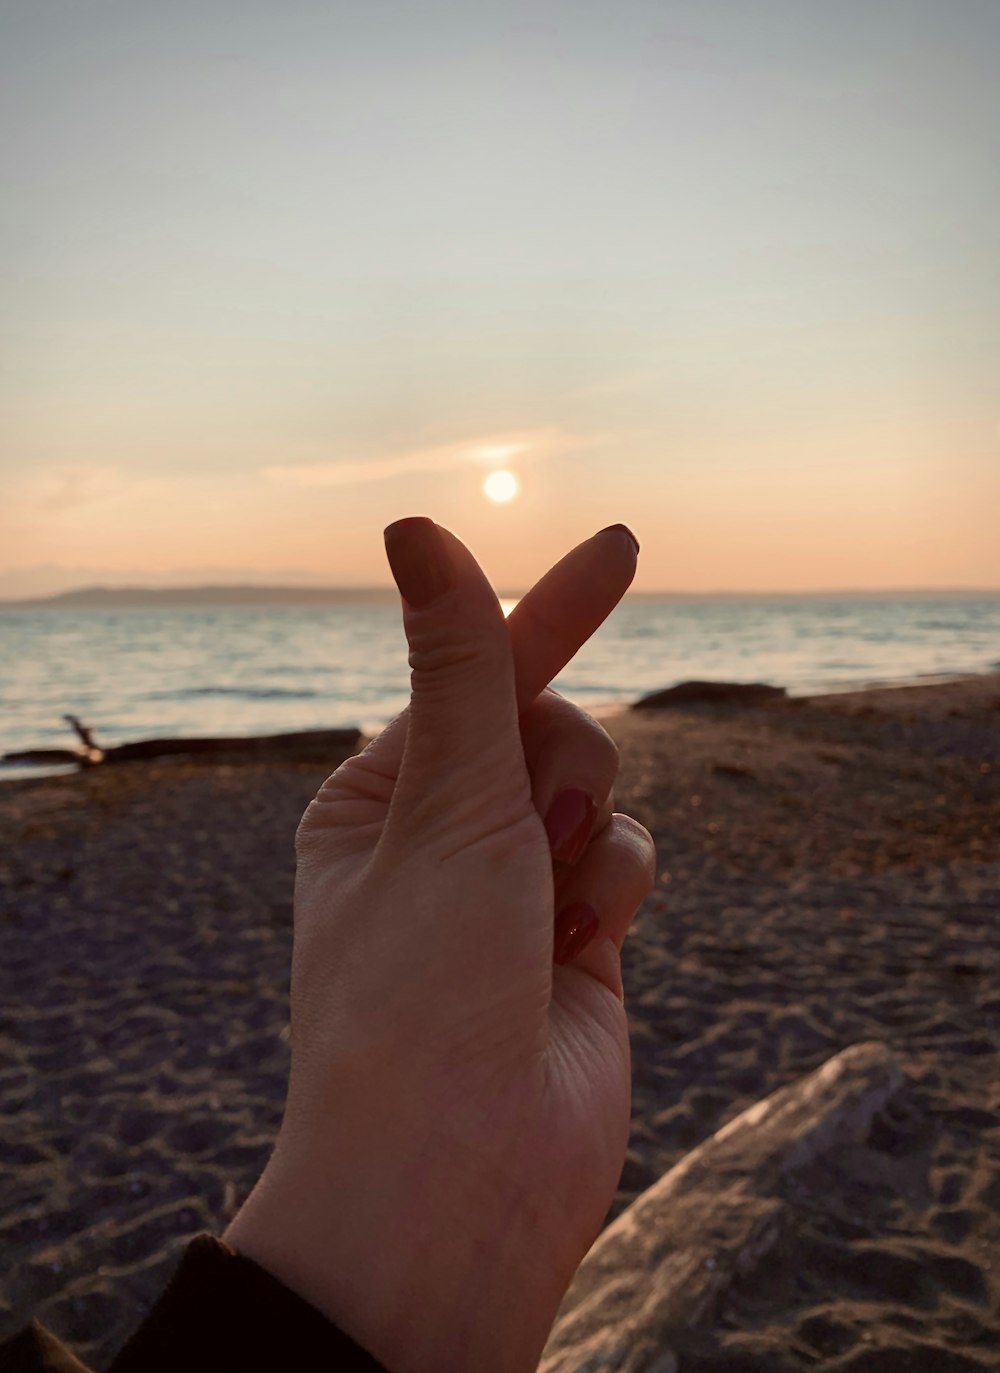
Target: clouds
x: 72, y: 487
x: 80, y: 493
x: 493, y: 450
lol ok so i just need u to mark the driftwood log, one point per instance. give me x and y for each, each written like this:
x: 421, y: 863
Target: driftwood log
x: 666, y: 1264
x: 712, y: 694
x: 330, y: 744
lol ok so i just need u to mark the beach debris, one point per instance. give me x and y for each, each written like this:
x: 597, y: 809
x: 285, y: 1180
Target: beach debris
x: 328, y: 744
x: 736, y: 771
x: 665, y: 1265
x: 711, y: 694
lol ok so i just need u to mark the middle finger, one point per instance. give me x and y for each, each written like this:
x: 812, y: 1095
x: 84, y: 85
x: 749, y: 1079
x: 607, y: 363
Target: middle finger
x: 572, y: 763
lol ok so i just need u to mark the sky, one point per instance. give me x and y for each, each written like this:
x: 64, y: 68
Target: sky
x: 275, y: 275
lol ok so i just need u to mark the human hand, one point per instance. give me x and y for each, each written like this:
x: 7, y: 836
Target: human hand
x: 458, y: 1103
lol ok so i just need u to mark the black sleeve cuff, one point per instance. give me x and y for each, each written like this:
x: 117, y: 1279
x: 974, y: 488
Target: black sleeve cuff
x: 36, y: 1350
x: 223, y: 1311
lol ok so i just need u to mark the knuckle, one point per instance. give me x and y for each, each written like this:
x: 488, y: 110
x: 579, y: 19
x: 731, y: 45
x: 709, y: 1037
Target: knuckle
x: 456, y: 653
x: 599, y: 741
x: 612, y: 752
x: 641, y: 848
x: 564, y: 725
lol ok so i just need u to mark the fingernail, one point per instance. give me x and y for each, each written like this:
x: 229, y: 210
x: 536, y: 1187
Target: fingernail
x: 569, y: 822
x: 574, y: 929
x: 417, y: 559
x: 621, y: 529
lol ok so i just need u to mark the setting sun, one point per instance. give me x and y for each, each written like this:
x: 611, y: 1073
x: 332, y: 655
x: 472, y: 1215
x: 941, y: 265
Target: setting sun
x: 501, y: 487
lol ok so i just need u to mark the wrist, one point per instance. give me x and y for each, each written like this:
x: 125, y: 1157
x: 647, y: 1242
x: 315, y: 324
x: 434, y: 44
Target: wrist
x: 426, y: 1284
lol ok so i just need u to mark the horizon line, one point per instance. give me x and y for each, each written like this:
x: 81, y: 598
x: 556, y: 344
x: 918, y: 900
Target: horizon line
x: 286, y: 589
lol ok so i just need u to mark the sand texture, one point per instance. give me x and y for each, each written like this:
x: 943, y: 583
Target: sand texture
x: 829, y: 875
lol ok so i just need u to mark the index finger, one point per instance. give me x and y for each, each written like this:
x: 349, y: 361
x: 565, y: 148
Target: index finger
x: 565, y: 606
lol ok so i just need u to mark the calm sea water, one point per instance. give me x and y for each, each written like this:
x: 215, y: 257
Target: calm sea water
x: 136, y: 673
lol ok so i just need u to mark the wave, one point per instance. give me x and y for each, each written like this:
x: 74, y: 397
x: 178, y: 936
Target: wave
x: 243, y: 693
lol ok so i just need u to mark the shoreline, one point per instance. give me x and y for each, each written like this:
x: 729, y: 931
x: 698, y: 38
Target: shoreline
x: 601, y: 710
x: 829, y: 873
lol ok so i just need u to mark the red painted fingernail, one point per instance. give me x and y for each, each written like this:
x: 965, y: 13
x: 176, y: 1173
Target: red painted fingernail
x: 574, y: 929
x: 620, y: 529
x: 418, y: 560
x: 569, y: 822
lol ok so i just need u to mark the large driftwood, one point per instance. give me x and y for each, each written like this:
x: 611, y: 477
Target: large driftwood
x: 306, y: 742
x: 666, y: 1263
x: 331, y: 744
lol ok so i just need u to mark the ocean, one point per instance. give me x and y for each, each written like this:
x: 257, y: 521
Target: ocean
x: 136, y: 673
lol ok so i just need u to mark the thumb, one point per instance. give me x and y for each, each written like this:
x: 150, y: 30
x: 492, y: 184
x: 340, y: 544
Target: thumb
x: 463, y: 743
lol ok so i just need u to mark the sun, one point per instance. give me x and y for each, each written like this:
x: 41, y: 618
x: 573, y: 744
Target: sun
x: 501, y: 487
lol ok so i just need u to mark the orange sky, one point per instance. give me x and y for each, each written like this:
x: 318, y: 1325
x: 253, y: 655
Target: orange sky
x: 728, y: 280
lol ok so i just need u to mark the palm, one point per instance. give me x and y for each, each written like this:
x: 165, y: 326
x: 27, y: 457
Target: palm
x: 537, y: 1055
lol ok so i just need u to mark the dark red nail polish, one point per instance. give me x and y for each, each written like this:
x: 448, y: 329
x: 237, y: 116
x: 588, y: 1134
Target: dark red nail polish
x: 418, y: 560
x: 621, y: 529
x: 574, y: 929
x: 569, y: 822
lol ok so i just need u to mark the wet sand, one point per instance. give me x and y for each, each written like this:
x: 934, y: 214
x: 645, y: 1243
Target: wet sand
x: 829, y: 873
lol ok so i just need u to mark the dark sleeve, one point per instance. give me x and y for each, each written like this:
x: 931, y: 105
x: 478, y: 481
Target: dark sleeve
x: 36, y: 1350
x: 219, y: 1311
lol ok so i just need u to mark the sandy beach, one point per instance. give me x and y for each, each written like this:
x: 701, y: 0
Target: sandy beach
x: 829, y: 874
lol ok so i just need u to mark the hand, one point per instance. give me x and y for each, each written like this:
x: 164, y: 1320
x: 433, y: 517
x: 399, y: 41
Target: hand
x: 458, y: 1105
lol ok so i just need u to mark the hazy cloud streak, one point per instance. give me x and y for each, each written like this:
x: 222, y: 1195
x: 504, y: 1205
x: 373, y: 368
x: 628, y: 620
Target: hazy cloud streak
x: 69, y: 488
x: 494, y: 450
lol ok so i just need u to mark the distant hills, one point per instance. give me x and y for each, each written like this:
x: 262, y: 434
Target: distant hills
x: 151, y: 598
